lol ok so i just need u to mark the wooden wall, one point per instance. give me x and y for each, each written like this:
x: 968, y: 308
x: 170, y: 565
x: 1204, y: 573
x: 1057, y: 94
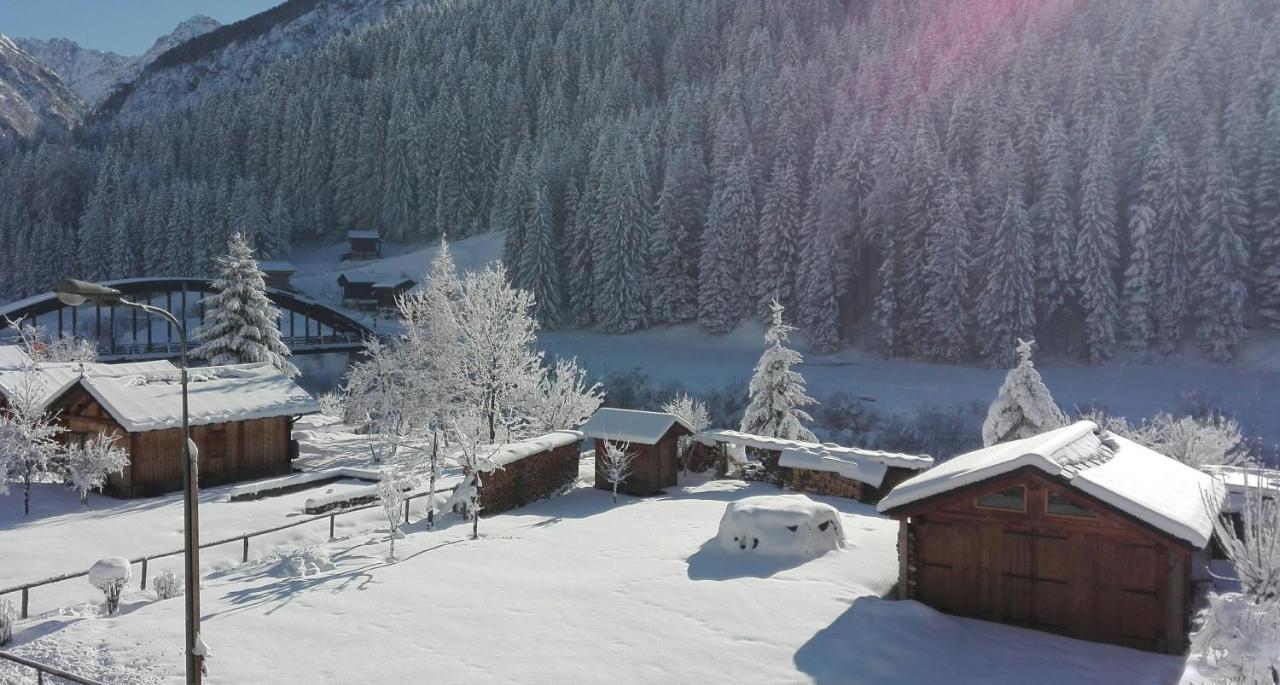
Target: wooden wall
x: 1108, y: 578
x: 655, y: 466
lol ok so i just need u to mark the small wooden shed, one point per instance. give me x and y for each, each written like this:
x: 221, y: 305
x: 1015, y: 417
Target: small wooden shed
x: 241, y: 419
x: 277, y: 274
x: 357, y: 290
x: 363, y: 245
x: 1074, y: 531
x: 652, y: 436
x: 386, y: 290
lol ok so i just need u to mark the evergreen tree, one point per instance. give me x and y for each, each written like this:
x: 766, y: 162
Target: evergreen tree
x: 777, y: 392
x: 947, y: 271
x: 620, y: 270
x: 776, y: 250
x: 1098, y: 252
x: 1023, y: 407
x: 1139, y: 278
x: 731, y: 223
x: 1006, y: 305
x: 242, y: 325
x: 1223, y: 258
x: 1052, y: 223
x: 540, y: 266
x: 1266, y: 205
x: 677, y: 224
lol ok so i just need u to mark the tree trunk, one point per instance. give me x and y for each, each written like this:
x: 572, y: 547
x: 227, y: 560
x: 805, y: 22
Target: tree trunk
x: 84, y: 499
x: 615, y: 492
x: 475, y: 522
x: 26, y: 498
x: 431, y: 481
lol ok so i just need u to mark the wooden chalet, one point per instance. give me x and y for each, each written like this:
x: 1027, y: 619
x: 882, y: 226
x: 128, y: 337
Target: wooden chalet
x: 387, y: 290
x: 357, y: 290
x: 1074, y: 531
x: 652, y: 436
x: 819, y: 468
x: 241, y: 419
x: 278, y: 274
x: 363, y: 245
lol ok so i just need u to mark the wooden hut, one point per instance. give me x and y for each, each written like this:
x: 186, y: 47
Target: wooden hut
x: 1074, y: 531
x: 363, y: 245
x: 386, y: 290
x: 651, y: 436
x: 357, y: 290
x: 277, y: 274
x: 44, y: 382
x: 241, y: 419
x: 821, y: 468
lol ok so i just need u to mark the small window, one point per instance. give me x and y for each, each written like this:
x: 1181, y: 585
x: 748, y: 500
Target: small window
x: 1012, y: 499
x: 1061, y: 506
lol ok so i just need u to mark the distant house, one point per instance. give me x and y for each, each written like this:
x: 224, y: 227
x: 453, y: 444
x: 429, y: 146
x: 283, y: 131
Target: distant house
x: 387, y: 290
x: 277, y: 274
x: 363, y: 245
x: 1074, y: 531
x: 241, y: 419
x: 823, y: 468
x: 652, y: 436
x: 357, y: 290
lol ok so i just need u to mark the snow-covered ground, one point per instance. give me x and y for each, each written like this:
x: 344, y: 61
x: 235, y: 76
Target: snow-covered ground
x: 685, y: 354
x: 576, y: 589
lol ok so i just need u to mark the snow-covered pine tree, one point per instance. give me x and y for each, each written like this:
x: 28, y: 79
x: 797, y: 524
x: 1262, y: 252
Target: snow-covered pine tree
x: 1098, y: 251
x: 540, y: 259
x: 1023, y: 407
x: 1266, y: 204
x: 677, y: 224
x: 241, y: 323
x: 278, y: 239
x: 1167, y: 187
x: 777, y: 392
x: 731, y: 224
x: 1224, y: 261
x: 620, y: 271
x: 1006, y: 305
x: 776, y: 249
x: 1052, y: 223
x: 1139, y: 278
x: 947, y: 264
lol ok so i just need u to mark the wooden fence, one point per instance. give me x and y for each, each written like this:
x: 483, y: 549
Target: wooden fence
x: 243, y: 538
x: 43, y: 670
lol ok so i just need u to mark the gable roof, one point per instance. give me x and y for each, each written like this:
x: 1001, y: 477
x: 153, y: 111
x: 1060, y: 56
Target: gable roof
x: 1157, y: 490
x: 53, y: 379
x: 276, y: 266
x: 362, y: 278
x: 358, y: 235
x: 631, y: 425
x: 215, y: 394
x: 818, y: 450
x: 394, y: 282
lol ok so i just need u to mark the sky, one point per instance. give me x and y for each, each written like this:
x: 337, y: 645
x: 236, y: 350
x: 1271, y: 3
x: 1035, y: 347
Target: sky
x: 128, y: 27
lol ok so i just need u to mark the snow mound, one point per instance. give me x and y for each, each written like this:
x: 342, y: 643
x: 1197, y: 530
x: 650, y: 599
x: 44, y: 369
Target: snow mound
x: 301, y: 563
x: 109, y: 570
x: 787, y: 525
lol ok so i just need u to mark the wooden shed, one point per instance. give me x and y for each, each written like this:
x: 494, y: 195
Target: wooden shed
x: 821, y: 468
x: 241, y: 419
x: 1074, y: 531
x: 652, y: 436
x: 357, y: 290
x: 386, y: 290
x: 363, y: 245
x: 278, y: 274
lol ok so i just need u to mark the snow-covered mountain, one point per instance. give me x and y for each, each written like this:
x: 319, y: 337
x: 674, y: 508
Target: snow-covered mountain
x: 233, y: 52
x: 32, y: 96
x: 93, y: 74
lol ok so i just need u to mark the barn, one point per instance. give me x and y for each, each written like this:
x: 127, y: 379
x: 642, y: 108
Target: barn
x: 277, y: 274
x: 357, y: 290
x: 363, y: 245
x: 241, y: 419
x: 652, y: 436
x: 822, y: 468
x: 387, y: 290
x: 1075, y: 531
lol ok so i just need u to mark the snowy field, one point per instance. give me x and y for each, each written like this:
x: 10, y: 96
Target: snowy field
x: 577, y: 589
x: 1130, y: 387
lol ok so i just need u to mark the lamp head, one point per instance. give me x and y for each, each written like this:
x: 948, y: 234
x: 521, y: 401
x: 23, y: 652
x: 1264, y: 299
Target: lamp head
x: 72, y: 292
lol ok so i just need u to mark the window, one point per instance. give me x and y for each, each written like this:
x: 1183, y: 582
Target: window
x: 1012, y: 499
x: 1061, y: 506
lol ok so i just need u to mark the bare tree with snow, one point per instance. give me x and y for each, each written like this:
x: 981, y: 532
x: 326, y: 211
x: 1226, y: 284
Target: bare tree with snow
x: 391, y: 494
x: 379, y: 397
x: 475, y: 458
x: 27, y: 432
x: 777, y: 392
x: 1255, y: 550
x: 91, y: 462
x: 563, y: 398
x: 43, y: 348
x: 615, y: 464
x: 694, y: 412
x: 1196, y: 441
x: 1023, y: 407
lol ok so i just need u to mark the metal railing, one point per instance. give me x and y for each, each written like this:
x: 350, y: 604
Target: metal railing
x: 42, y: 670
x: 243, y: 538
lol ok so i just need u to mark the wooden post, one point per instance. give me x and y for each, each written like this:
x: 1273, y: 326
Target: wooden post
x: 24, y: 601
x: 143, y: 584
x: 331, y: 517
x: 246, y: 550
x: 406, y: 511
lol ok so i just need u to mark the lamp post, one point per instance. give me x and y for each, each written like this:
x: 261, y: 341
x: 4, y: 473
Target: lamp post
x: 74, y: 293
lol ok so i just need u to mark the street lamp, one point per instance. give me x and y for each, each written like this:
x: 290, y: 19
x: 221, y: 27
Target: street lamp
x: 74, y: 293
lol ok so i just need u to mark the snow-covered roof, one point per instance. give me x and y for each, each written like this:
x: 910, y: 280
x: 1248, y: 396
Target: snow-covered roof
x: 359, y: 277
x: 276, y: 267
x: 515, y: 451
x: 13, y: 357
x: 631, y: 425
x: 55, y: 378
x: 1240, y: 481
x: 216, y: 394
x: 1157, y: 490
x: 861, y: 470
x: 825, y: 449
x: 362, y: 234
x: 394, y: 282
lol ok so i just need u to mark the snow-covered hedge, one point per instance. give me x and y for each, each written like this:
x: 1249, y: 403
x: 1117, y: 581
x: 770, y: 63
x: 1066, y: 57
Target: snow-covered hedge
x: 8, y: 619
x: 1239, y: 641
x: 788, y: 525
x: 167, y: 585
x: 110, y: 576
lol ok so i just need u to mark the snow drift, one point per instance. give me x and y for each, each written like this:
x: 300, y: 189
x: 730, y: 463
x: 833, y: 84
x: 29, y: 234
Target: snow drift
x: 787, y: 525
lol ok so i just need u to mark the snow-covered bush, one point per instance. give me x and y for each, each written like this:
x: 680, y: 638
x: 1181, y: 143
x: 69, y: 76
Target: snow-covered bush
x: 1196, y: 441
x: 564, y: 398
x: 1254, y: 551
x: 167, y: 585
x: 91, y: 462
x: 332, y: 403
x: 110, y: 575
x: 1238, y: 641
x: 8, y: 619
x: 1023, y: 407
x: 788, y: 525
x: 42, y: 347
x: 615, y: 464
x: 299, y: 563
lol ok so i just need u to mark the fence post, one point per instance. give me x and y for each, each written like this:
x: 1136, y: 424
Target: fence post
x: 406, y: 511
x: 331, y: 518
x: 246, y: 550
x: 24, y: 602
x: 143, y: 584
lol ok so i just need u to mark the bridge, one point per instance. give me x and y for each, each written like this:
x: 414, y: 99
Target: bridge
x: 306, y: 326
